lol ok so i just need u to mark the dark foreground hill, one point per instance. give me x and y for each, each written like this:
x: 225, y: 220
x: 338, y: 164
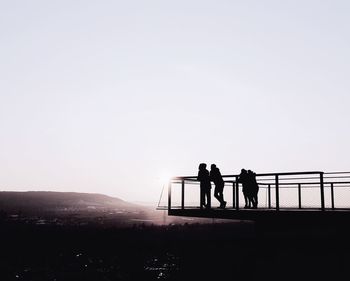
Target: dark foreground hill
x: 95, y: 239
x: 176, y: 252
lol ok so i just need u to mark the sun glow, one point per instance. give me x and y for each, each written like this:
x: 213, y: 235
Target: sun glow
x: 164, y: 177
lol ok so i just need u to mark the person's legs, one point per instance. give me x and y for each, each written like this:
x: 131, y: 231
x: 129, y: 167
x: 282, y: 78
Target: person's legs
x: 255, y: 200
x: 246, y: 199
x: 250, y: 200
x: 217, y: 194
x: 208, y: 198
x: 223, y: 202
x: 222, y: 198
x: 202, y: 203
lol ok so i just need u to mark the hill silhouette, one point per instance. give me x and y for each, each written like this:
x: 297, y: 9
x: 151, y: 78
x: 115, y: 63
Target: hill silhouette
x: 80, y: 208
x: 47, y: 201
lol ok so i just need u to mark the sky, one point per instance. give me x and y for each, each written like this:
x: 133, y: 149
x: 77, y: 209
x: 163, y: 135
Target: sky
x: 113, y: 96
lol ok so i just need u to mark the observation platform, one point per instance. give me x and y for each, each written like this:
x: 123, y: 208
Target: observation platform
x: 312, y: 197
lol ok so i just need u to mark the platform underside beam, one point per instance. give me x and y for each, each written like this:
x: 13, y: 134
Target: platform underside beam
x: 287, y: 216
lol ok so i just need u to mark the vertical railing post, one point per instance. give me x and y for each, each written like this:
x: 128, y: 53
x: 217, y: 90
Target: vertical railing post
x: 233, y: 195
x: 332, y: 195
x: 183, y: 194
x: 277, y: 194
x: 237, y: 194
x: 169, y: 196
x: 322, y: 191
x: 299, y: 195
x: 269, y: 195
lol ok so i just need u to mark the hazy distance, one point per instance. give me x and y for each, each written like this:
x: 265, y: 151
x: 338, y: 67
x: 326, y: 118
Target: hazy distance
x: 111, y: 96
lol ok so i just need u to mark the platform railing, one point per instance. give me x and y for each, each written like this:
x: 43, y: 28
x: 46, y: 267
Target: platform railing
x: 318, y: 181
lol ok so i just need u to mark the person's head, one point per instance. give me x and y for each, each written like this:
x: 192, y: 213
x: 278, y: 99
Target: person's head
x: 202, y: 166
x: 213, y: 166
x: 243, y: 171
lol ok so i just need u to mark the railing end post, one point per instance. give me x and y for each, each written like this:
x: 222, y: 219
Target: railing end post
x: 183, y: 194
x: 237, y: 194
x: 277, y: 193
x: 322, y: 191
x: 169, y: 196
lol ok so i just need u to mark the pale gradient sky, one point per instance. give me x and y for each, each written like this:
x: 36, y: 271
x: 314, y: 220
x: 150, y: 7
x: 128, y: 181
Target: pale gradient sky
x: 104, y: 96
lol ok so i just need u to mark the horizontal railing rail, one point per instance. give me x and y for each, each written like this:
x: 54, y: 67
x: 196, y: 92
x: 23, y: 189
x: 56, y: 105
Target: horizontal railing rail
x: 272, y: 183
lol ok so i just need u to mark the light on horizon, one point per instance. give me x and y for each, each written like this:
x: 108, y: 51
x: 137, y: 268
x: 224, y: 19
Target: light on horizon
x: 164, y: 177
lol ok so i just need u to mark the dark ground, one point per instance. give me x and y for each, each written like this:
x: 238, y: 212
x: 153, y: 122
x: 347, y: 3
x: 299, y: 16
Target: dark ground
x: 229, y: 251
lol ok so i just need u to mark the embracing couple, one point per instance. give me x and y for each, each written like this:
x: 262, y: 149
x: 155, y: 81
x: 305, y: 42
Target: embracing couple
x: 205, y: 178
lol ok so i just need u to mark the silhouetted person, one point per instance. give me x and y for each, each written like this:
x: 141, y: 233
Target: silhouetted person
x: 254, y: 188
x: 215, y: 176
x: 205, y: 186
x: 244, y: 179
